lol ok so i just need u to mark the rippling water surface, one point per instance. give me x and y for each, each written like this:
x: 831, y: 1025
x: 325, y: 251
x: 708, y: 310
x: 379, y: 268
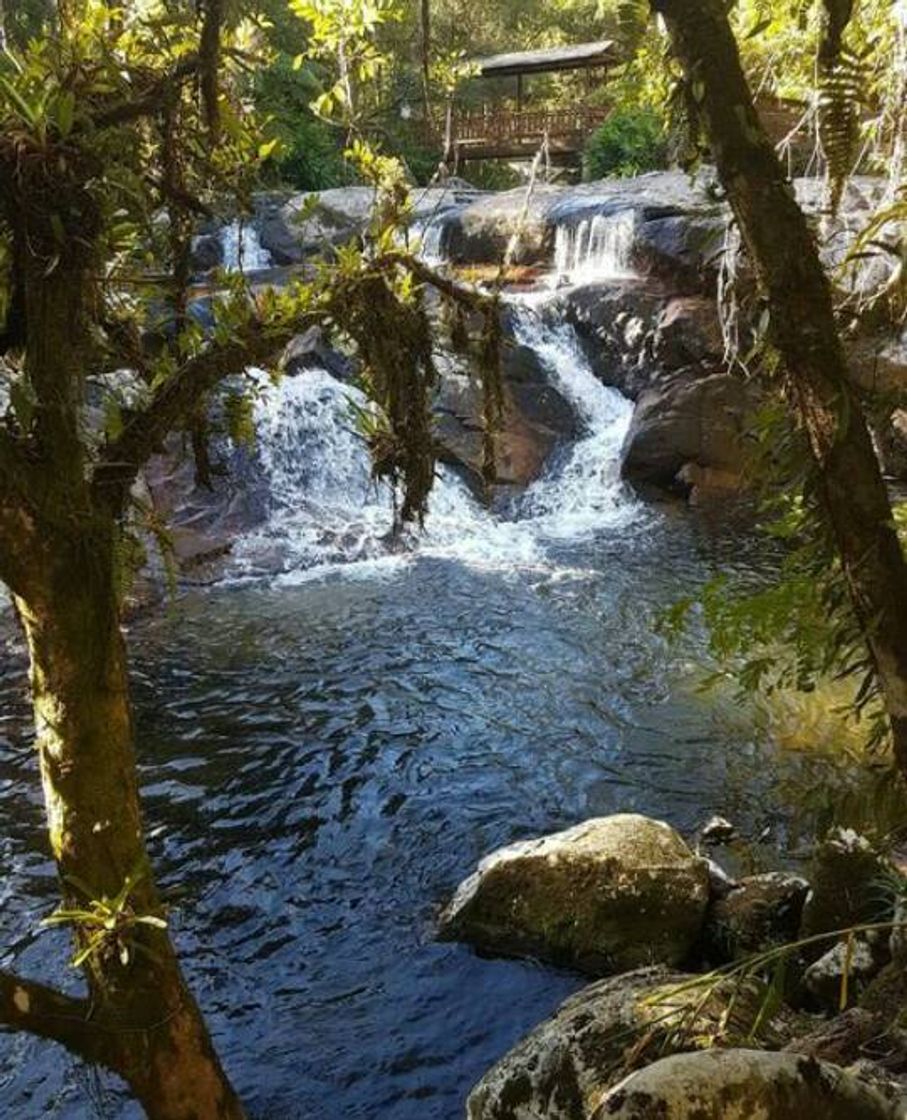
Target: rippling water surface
x: 326, y: 755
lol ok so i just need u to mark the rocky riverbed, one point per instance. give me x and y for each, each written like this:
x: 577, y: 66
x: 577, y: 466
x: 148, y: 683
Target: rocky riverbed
x: 775, y: 1012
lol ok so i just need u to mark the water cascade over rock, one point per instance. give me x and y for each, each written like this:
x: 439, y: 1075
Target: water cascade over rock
x: 242, y: 248
x: 324, y: 507
x: 595, y: 248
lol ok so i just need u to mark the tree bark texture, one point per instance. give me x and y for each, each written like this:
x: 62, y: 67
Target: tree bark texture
x: 58, y: 555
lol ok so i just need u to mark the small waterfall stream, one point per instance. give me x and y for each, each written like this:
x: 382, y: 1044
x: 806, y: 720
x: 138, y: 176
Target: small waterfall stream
x: 325, y: 509
x: 596, y: 248
x: 242, y: 248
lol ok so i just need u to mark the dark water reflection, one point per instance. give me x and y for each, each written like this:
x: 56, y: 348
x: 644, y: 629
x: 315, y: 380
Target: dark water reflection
x: 323, y: 763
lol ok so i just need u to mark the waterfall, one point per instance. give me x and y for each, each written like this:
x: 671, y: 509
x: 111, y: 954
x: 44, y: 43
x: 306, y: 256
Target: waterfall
x: 426, y: 235
x: 326, y: 510
x: 585, y: 492
x: 242, y: 248
x: 323, y: 506
x: 596, y: 248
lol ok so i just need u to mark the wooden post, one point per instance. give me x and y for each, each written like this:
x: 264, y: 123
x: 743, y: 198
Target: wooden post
x: 519, y: 93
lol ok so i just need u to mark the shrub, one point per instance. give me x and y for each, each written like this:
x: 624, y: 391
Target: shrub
x: 311, y: 158
x: 629, y: 142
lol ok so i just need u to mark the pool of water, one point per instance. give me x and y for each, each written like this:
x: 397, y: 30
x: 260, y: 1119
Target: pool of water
x: 323, y: 762
x: 333, y: 737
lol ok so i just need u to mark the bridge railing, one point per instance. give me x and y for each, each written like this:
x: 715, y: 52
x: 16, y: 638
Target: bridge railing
x: 509, y: 126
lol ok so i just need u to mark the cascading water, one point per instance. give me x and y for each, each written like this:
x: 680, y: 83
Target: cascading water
x: 242, y: 248
x: 596, y: 248
x: 585, y: 492
x: 426, y: 237
x: 325, y: 509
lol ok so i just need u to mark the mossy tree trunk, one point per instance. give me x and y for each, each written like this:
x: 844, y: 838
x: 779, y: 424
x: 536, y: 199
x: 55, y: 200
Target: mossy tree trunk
x: 802, y: 327
x: 145, y: 1023
x: 58, y: 556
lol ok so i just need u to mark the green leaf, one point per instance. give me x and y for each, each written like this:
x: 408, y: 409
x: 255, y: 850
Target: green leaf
x: 64, y: 112
x: 759, y: 27
x: 151, y: 920
x: 26, y: 111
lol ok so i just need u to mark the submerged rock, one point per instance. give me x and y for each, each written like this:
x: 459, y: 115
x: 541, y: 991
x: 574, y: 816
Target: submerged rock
x: 607, y: 895
x: 742, y: 1085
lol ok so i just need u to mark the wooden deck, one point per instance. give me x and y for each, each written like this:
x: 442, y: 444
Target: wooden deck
x: 507, y: 134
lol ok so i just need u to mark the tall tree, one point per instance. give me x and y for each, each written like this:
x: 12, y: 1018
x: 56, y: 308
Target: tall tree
x: 850, y: 491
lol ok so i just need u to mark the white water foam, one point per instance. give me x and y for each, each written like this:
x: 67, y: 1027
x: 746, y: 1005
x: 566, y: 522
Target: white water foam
x: 585, y: 492
x: 425, y: 236
x: 327, y: 512
x: 596, y: 248
x: 242, y: 248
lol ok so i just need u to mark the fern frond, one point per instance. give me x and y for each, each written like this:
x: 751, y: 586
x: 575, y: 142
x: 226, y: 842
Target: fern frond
x: 841, y: 83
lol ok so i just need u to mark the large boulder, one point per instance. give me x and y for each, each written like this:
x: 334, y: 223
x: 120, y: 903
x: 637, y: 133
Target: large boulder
x: 505, y: 223
x: 562, y: 1068
x: 291, y: 228
x: 207, y: 253
x: 742, y: 1085
x: 536, y: 418
x: 848, y: 877
x: 565, y: 1063
x: 688, y: 419
x: 685, y: 247
x: 687, y: 333
x: 605, y: 896
x: 615, y: 322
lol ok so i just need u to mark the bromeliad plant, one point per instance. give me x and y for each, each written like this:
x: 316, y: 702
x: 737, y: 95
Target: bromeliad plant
x: 106, y: 925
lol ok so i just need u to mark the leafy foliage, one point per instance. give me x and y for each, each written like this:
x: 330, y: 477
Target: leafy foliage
x: 840, y: 97
x: 799, y: 632
x: 630, y: 142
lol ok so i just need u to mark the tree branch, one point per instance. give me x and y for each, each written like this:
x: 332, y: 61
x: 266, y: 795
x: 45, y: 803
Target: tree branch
x: 148, y: 103
x: 469, y: 297
x: 28, y: 1006
x: 176, y: 399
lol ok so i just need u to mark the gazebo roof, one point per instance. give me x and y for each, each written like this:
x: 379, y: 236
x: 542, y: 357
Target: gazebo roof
x: 581, y: 56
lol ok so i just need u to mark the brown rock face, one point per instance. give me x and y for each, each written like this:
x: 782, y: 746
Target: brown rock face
x: 761, y: 911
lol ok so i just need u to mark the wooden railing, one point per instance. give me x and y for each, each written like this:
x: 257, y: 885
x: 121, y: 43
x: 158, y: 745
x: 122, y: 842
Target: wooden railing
x: 501, y: 126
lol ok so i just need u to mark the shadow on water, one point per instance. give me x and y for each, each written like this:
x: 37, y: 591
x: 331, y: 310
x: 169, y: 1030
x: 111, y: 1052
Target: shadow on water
x: 323, y: 762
